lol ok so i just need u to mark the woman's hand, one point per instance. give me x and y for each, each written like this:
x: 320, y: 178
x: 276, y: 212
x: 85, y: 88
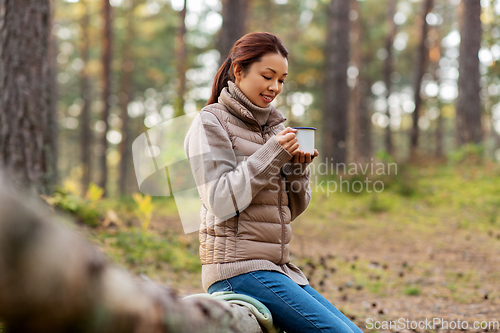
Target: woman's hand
x: 287, y: 140
x: 302, y: 157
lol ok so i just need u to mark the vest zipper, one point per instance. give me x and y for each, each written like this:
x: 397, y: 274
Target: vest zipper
x: 237, y: 223
x: 279, y: 202
x: 282, y: 223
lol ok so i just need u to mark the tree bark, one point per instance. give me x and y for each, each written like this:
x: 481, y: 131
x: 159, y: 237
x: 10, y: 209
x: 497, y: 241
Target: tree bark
x: 435, y: 53
x: 420, y: 68
x: 336, y: 96
x: 468, y: 104
x: 106, y: 63
x: 361, y: 119
x: 234, y: 14
x: 125, y: 97
x: 85, y: 130
x: 51, y: 280
x: 388, y: 68
x: 181, y: 54
x: 52, y: 128
x: 26, y: 150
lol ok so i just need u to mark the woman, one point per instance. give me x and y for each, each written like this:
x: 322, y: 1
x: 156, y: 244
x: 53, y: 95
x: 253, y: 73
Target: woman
x: 240, y: 154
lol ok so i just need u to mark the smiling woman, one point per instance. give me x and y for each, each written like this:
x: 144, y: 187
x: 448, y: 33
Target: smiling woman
x: 253, y: 180
x: 255, y: 59
x: 264, y: 80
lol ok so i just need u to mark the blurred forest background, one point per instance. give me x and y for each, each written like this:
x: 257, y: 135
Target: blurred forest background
x: 412, y: 82
x: 377, y: 78
x: 392, y: 58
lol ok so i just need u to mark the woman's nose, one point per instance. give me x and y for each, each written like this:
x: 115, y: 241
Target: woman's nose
x: 273, y: 86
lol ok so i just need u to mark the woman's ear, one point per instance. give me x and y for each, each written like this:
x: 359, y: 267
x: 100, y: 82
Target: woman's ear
x: 237, y: 71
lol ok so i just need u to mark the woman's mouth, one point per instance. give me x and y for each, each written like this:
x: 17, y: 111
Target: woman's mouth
x: 267, y: 99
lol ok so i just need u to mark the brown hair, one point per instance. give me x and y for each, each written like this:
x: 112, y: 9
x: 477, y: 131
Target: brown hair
x: 245, y: 51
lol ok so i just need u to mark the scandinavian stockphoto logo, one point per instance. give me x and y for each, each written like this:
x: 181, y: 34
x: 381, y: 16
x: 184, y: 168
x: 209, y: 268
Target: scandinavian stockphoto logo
x: 163, y: 169
x: 350, y: 177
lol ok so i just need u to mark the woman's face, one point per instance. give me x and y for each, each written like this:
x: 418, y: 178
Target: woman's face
x: 264, y: 80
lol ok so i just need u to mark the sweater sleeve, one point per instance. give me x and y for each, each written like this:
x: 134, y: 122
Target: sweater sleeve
x: 225, y: 186
x: 298, y: 176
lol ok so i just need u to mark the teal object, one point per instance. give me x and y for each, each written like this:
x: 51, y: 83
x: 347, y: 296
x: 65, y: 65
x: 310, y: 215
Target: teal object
x: 260, y: 311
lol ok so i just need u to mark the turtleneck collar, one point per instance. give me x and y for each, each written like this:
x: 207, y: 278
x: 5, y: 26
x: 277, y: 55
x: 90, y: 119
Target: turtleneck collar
x: 260, y: 114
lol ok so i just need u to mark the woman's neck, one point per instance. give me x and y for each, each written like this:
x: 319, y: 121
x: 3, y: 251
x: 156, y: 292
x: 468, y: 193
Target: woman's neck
x: 260, y: 114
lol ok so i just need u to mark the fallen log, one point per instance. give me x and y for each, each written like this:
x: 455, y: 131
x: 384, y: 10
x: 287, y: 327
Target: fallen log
x: 53, y: 280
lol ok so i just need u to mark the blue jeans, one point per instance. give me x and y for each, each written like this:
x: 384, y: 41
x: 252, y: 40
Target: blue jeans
x: 295, y: 308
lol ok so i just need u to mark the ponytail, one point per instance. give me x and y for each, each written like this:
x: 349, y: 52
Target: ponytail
x: 220, y: 81
x: 245, y: 51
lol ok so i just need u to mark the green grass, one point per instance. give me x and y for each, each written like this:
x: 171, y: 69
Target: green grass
x: 423, y: 205
x: 412, y: 291
x: 437, y: 191
x: 148, y: 252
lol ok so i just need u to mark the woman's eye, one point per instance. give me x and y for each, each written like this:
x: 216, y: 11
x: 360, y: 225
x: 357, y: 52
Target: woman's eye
x: 268, y: 78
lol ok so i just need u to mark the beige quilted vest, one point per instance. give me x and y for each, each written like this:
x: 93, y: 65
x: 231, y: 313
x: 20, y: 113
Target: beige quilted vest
x: 262, y: 230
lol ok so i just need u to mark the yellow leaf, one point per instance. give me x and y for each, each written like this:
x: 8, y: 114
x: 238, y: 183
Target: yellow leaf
x: 94, y: 193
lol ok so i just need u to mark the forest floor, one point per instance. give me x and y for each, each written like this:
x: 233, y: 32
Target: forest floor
x: 427, y: 247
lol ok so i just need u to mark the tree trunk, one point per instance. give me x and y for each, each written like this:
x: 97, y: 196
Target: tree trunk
x: 106, y: 63
x: 435, y: 56
x: 26, y: 150
x: 361, y: 123
x: 54, y: 281
x: 234, y: 14
x: 440, y: 133
x: 420, y: 68
x: 336, y: 89
x: 125, y: 97
x: 388, y: 68
x: 181, y: 54
x: 85, y: 130
x: 52, y: 128
x: 468, y: 104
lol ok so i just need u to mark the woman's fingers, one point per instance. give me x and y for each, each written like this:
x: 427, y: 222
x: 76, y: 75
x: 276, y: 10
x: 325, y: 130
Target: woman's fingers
x: 287, y: 139
x: 290, y: 137
x: 286, y: 131
x: 290, y: 143
x: 302, y: 157
x: 289, y: 130
x: 299, y: 157
x: 308, y: 157
x: 294, y: 149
